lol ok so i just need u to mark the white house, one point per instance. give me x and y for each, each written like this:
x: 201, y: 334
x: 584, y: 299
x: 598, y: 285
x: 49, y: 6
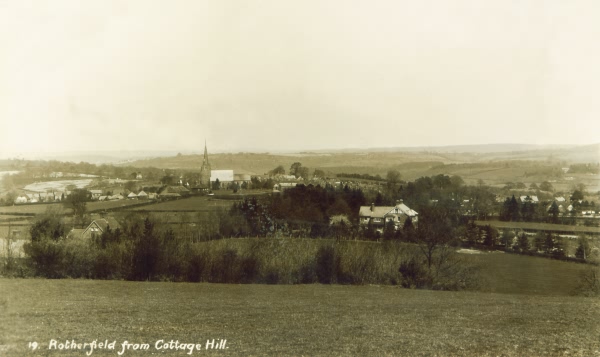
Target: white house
x: 379, y: 216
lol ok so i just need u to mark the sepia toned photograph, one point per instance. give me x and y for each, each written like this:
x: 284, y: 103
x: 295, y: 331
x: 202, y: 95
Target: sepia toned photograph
x: 299, y: 178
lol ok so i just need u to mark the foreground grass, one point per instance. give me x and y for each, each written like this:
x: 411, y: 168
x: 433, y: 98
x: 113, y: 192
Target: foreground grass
x: 293, y: 320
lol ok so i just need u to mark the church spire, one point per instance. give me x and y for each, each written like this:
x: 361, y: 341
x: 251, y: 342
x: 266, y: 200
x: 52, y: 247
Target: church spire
x: 205, y: 169
x: 205, y: 153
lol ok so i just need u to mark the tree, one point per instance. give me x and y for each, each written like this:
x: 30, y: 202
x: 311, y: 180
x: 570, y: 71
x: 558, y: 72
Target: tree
x: 48, y: 227
x: 409, y: 230
x: 583, y: 249
x: 549, y: 243
x: 10, y: 198
x: 434, y: 232
x: 458, y: 182
x: 167, y: 180
x: 546, y: 186
x: 319, y: 173
x: 389, y: 230
x: 393, y: 177
x: 303, y: 173
x: 77, y: 202
x: 279, y: 170
x: 513, y: 209
x: 491, y: 236
x: 553, y: 211
x: 130, y: 186
x: 539, y: 241
x: 527, y: 211
x: 216, y: 185
x: 295, y: 168
x: 146, y: 253
x: 507, y: 238
x: 523, y: 242
x: 577, y: 196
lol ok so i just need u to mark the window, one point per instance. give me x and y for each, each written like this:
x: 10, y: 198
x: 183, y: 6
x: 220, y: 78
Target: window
x: 376, y: 219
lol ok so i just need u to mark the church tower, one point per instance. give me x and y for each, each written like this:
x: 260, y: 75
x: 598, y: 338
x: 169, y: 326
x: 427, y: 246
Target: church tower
x: 205, y: 169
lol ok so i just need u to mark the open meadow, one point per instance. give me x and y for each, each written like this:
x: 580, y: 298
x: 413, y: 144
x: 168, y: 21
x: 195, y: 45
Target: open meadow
x: 291, y: 320
x: 191, y: 204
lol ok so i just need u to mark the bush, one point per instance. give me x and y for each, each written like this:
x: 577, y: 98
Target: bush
x: 46, y: 258
x: 589, y: 283
x: 414, y: 274
x: 327, y: 264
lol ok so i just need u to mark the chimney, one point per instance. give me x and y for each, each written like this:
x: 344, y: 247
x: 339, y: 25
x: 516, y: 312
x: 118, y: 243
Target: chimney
x: 372, y: 207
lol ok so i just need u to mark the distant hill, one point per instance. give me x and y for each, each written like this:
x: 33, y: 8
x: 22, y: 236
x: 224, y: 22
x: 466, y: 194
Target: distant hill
x: 379, y: 160
x: 483, y: 148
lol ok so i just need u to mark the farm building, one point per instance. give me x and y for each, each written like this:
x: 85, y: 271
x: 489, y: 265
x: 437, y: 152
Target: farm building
x: 379, y: 216
x: 173, y: 191
x: 224, y: 176
x: 98, y: 227
x: 530, y: 199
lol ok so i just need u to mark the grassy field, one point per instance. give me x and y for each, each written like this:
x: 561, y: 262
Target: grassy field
x: 36, y: 209
x: 541, y: 226
x: 518, y: 274
x: 498, y: 272
x: 199, y: 203
x: 309, y: 320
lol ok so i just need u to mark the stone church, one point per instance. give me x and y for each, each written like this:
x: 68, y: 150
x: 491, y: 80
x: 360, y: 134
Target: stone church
x: 205, y: 170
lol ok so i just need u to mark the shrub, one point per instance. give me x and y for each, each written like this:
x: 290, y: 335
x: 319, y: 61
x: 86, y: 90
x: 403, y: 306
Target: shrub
x: 327, y: 264
x: 589, y: 283
x: 414, y: 274
x: 45, y: 258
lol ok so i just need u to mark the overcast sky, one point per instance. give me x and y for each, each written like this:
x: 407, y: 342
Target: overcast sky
x: 291, y: 75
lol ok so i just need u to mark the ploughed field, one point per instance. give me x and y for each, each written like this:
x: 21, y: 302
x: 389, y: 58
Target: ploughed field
x: 289, y: 320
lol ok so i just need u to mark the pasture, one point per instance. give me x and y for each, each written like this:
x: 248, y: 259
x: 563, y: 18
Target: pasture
x: 278, y: 320
x: 191, y: 204
x: 58, y: 185
x: 535, y: 226
x: 498, y: 272
x: 94, y: 206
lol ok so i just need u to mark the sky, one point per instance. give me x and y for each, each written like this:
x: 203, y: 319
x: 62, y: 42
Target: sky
x: 277, y: 75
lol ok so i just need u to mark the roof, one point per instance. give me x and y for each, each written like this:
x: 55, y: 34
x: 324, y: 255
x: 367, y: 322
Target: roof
x: 173, y: 189
x: 531, y: 198
x: 132, y: 194
x: 105, y: 222
x: 142, y: 194
x: 75, y: 233
x: 382, y: 211
x: 221, y: 175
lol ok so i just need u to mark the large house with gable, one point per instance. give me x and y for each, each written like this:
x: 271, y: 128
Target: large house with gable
x: 379, y: 216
